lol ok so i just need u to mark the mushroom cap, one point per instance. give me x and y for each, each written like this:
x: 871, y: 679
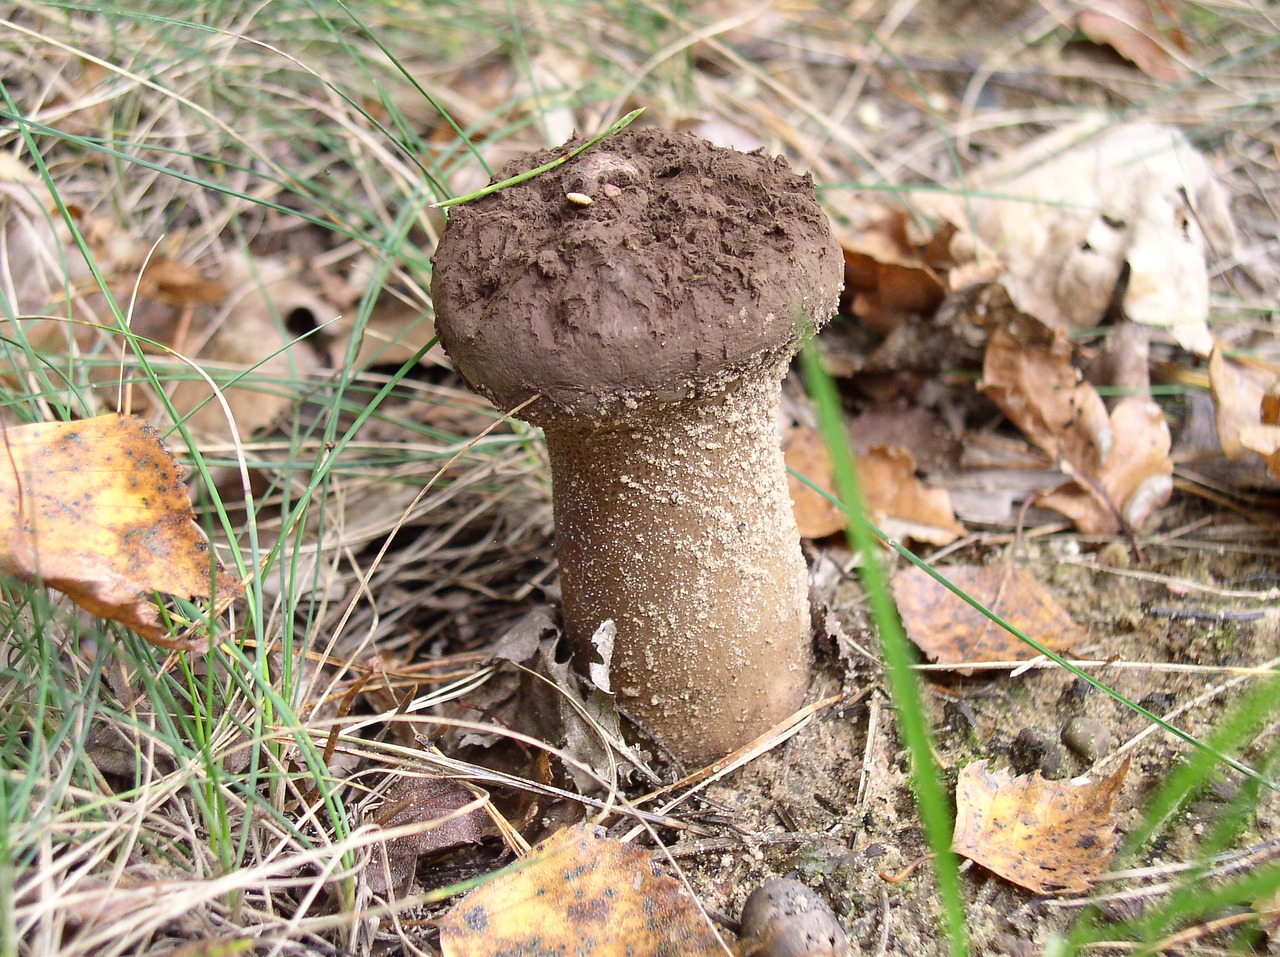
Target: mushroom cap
x: 654, y: 267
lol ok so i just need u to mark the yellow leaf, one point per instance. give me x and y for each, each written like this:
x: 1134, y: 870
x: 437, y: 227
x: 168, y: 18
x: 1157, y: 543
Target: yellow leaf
x: 98, y: 509
x: 1047, y: 836
x: 577, y: 893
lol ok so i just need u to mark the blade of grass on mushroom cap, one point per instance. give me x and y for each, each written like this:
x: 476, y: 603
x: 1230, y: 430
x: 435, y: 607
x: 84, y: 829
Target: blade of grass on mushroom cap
x: 538, y: 171
x: 904, y: 682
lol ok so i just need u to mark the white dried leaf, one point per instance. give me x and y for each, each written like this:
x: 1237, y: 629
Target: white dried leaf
x: 602, y: 640
x: 1072, y: 212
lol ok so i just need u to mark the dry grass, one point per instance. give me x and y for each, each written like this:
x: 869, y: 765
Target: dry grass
x: 397, y: 527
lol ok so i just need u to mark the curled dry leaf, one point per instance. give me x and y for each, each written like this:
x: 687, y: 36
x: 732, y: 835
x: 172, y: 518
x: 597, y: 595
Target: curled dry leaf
x: 1047, y: 836
x: 816, y: 515
x: 1264, y: 439
x: 437, y: 804
x: 889, y: 273
x: 98, y: 510
x: 579, y: 893
x: 1134, y: 480
x: 902, y: 505
x: 230, y: 316
x: 1119, y: 462
x: 1028, y: 372
x: 952, y: 632
x: 1088, y: 204
x: 1247, y: 408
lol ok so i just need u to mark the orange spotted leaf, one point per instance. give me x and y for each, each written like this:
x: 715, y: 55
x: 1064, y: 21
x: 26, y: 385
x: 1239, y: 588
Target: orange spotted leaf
x: 953, y: 632
x: 577, y: 893
x: 1047, y: 836
x: 98, y: 509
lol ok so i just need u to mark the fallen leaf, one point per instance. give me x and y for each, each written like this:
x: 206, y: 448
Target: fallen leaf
x: 920, y: 430
x: 1238, y: 393
x: 240, y: 318
x: 178, y: 284
x: 252, y: 335
x: 890, y: 274
x: 1119, y: 463
x: 579, y: 893
x: 435, y: 803
x: 1089, y: 204
x: 1130, y: 27
x: 1047, y: 836
x: 1264, y: 440
x: 816, y: 515
x: 1134, y: 480
x: 902, y: 505
x: 1028, y: 372
x: 98, y: 509
x: 950, y: 631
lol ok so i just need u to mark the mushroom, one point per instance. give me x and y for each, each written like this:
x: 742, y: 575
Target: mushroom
x: 649, y: 329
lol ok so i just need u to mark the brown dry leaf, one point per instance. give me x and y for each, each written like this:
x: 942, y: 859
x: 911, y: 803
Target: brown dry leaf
x: 98, y: 509
x: 435, y: 803
x: 577, y: 893
x: 950, y: 631
x: 1135, y: 479
x: 889, y: 274
x: 1130, y: 28
x: 816, y: 515
x: 1265, y: 440
x: 1120, y: 464
x: 1028, y: 373
x: 1237, y: 397
x: 178, y: 284
x: 902, y: 505
x: 1264, y: 437
x: 1047, y: 836
x: 235, y: 319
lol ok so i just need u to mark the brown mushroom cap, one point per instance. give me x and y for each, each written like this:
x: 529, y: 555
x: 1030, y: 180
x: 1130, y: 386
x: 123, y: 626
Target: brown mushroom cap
x: 688, y: 268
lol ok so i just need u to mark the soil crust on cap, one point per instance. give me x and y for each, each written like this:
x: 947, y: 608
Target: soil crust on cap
x: 653, y: 265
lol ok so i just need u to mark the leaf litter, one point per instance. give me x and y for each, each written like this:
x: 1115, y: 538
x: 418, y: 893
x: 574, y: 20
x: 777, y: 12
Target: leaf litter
x: 913, y: 272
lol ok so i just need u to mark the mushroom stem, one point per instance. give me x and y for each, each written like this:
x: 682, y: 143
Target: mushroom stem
x: 677, y: 524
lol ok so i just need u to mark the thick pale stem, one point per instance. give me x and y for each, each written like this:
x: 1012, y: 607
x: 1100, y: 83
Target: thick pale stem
x: 678, y: 526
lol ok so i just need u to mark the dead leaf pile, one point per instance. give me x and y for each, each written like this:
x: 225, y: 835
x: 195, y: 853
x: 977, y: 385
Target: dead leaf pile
x: 257, y: 322
x: 98, y: 509
x: 1074, y: 211
x: 1092, y: 223
x: 1119, y: 462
